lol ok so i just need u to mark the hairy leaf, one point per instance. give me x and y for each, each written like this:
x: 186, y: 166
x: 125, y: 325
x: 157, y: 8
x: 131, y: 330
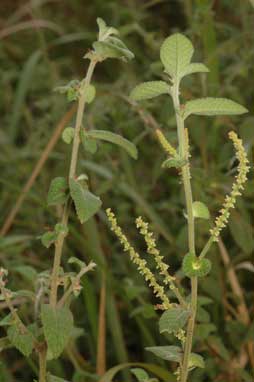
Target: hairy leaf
x: 21, y: 338
x: 195, y: 67
x: 200, y: 210
x: 57, y: 191
x: 173, y: 319
x: 113, y: 138
x: 113, y: 47
x: 149, y: 89
x: 193, y: 266
x: 213, y: 106
x: 168, y: 353
x: 48, y: 238
x: 86, y: 203
x: 196, y: 360
x: 90, y: 93
x: 57, y: 326
x: 176, y: 53
x: 176, y: 162
x: 68, y: 134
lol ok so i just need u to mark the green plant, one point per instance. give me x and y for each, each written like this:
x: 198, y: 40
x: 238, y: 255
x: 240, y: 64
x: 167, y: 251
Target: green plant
x: 179, y: 318
x: 49, y: 334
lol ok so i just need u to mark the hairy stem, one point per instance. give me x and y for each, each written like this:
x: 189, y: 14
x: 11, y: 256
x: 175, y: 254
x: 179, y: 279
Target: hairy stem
x: 72, y: 172
x: 43, y: 364
x: 184, y: 153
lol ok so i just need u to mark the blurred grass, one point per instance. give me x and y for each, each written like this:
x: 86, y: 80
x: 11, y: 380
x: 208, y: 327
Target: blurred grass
x: 34, y: 61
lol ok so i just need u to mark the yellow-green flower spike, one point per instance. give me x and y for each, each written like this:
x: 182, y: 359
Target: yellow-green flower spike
x: 170, y: 150
x: 168, y: 280
x: 240, y: 179
x: 136, y: 259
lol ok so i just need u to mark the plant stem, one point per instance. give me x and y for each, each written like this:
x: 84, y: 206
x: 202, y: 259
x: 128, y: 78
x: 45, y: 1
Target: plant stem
x: 43, y: 364
x: 184, y: 153
x: 72, y: 172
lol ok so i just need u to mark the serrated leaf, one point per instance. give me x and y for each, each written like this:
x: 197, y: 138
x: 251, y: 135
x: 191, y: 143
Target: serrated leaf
x: 174, y: 162
x: 140, y: 374
x: 213, y: 106
x: 148, y: 90
x: 173, y: 319
x: 21, y: 338
x: 90, y: 93
x: 176, y: 53
x: 195, y: 267
x: 200, y: 210
x: 196, y: 360
x: 57, y: 191
x: 57, y: 327
x: 195, y: 67
x: 168, y: 353
x: 48, y: 238
x: 86, y: 203
x: 68, y: 134
x: 108, y: 136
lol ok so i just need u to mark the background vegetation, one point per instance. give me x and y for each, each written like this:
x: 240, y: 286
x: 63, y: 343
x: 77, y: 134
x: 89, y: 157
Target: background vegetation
x: 41, y: 46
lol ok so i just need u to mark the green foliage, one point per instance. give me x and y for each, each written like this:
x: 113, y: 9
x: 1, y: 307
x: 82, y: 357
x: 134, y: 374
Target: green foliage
x: 149, y: 90
x: 68, y: 135
x: 57, y: 327
x: 168, y: 353
x: 176, y: 162
x: 193, y: 266
x: 57, y: 191
x: 108, y: 136
x: 176, y: 53
x: 200, y: 210
x: 173, y: 319
x: 21, y: 338
x: 86, y: 203
x: 213, y: 106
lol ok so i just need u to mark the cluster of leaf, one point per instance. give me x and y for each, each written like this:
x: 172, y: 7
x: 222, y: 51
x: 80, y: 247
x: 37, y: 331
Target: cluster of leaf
x: 29, y: 111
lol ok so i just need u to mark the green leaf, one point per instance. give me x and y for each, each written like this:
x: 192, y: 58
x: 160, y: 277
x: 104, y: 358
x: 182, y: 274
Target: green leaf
x: 108, y: 136
x: 57, y: 326
x: 176, y: 53
x: 195, y: 267
x: 173, y: 319
x: 196, y: 360
x: 160, y: 372
x: 48, y: 238
x: 200, y: 210
x: 140, y: 374
x: 112, y: 48
x: 57, y: 191
x: 168, y: 353
x: 176, y: 162
x: 194, y: 68
x: 86, y: 203
x: 104, y: 30
x: 21, y: 338
x: 90, y: 93
x: 213, y: 106
x: 89, y: 144
x: 7, y: 320
x: 68, y: 134
x: 149, y: 90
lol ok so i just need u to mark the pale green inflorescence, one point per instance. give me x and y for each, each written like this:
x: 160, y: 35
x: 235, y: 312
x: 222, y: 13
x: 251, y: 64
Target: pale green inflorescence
x: 141, y: 263
x: 241, y: 177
